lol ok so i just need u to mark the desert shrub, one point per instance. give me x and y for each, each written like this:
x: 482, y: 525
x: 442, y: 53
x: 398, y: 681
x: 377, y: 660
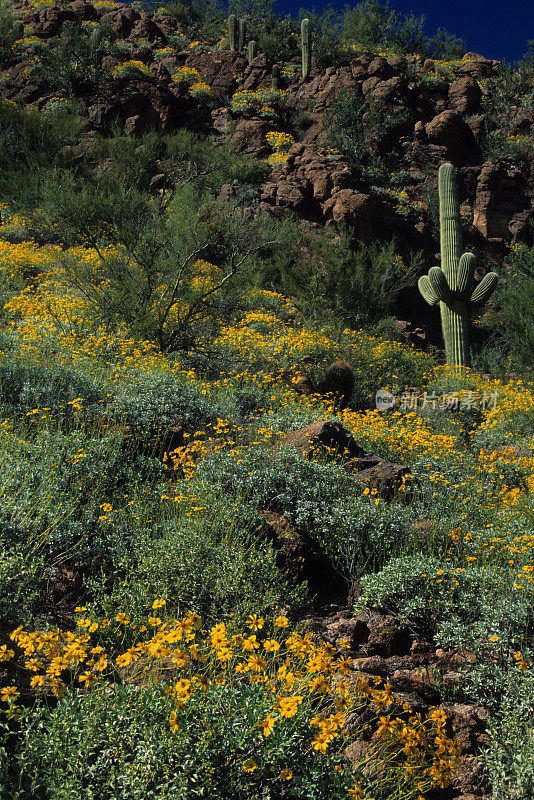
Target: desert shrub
x: 362, y: 128
x: 175, y: 266
x: 8, y: 37
x: 25, y: 387
x: 206, y: 558
x: 32, y: 143
x: 509, y: 752
x: 319, y: 498
x: 372, y: 24
x: 505, y: 135
x: 69, y: 64
x: 465, y: 605
x: 217, y: 728
x: 352, y: 284
x: 328, y: 48
x: 159, y: 400
x: 511, y: 319
x: 20, y: 574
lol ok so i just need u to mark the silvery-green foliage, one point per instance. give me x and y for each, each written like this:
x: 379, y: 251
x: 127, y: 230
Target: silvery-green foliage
x: 210, y: 564
x: 509, y: 753
x: 26, y: 387
x: 19, y: 575
x: 157, y: 400
x: 320, y: 498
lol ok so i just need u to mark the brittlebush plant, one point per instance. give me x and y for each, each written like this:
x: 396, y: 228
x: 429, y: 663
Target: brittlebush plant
x: 282, y: 699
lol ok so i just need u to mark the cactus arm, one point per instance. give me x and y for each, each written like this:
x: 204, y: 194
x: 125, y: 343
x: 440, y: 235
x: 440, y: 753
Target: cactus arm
x: 438, y: 281
x: 466, y: 275
x: 425, y: 287
x: 305, y: 39
x: 233, y: 31
x: 449, y: 224
x: 484, y: 290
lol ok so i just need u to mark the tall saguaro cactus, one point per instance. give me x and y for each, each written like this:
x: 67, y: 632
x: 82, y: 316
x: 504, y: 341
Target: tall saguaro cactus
x: 306, y: 46
x: 242, y: 34
x: 233, y: 31
x: 252, y: 50
x: 451, y: 285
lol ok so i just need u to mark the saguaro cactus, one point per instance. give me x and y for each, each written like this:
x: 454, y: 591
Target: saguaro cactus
x: 242, y: 34
x: 233, y: 31
x: 306, y: 46
x: 252, y: 50
x: 451, y: 285
x: 275, y: 77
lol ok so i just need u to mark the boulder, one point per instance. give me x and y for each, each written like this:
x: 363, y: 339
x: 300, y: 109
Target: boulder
x: 121, y: 20
x: 330, y: 435
x: 219, y: 70
x: 449, y: 130
x: 465, y: 95
x: 249, y: 137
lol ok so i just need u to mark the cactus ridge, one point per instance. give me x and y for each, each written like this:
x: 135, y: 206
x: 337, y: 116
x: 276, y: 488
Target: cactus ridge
x: 451, y: 285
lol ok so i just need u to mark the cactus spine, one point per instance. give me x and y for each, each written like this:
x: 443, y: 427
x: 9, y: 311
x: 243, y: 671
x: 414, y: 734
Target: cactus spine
x: 252, y: 50
x: 242, y: 34
x: 233, y: 31
x: 451, y: 285
x: 275, y: 77
x: 306, y: 46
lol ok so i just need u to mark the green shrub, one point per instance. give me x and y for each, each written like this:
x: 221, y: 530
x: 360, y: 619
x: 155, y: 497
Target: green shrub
x: 351, y: 284
x: 25, y: 387
x: 155, y: 401
x: 509, y: 752
x: 205, y: 558
x: 8, y: 36
x: 20, y: 575
x: 31, y: 144
x: 321, y: 499
x: 68, y: 65
x: 464, y: 605
x: 511, y: 320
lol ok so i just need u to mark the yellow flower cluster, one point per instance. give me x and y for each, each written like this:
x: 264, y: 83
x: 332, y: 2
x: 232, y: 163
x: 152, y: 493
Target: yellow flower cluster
x: 280, y: 143
x: 137, y: 65
x: 302, y: 681
x: 187, y: 75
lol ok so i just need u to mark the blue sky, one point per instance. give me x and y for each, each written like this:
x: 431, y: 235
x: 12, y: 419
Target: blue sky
x: 494, y: 28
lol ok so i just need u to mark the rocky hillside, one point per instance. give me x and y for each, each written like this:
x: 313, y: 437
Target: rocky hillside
x: 374, y: 170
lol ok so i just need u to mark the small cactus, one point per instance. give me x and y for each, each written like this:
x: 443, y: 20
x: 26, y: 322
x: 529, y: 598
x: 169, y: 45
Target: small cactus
x: 233, y: 32
x: 242, y: 34
x: 275, y: 77
x: 451, y: 285
x: 252, y: 50
x: 306, y: 46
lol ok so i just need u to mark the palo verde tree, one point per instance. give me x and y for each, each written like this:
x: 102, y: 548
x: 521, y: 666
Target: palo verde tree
x: 168, y: 268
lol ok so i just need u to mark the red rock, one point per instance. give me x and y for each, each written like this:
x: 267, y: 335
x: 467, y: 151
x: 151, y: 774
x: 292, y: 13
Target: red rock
x: 449, y: 130
x: 465, y: 95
